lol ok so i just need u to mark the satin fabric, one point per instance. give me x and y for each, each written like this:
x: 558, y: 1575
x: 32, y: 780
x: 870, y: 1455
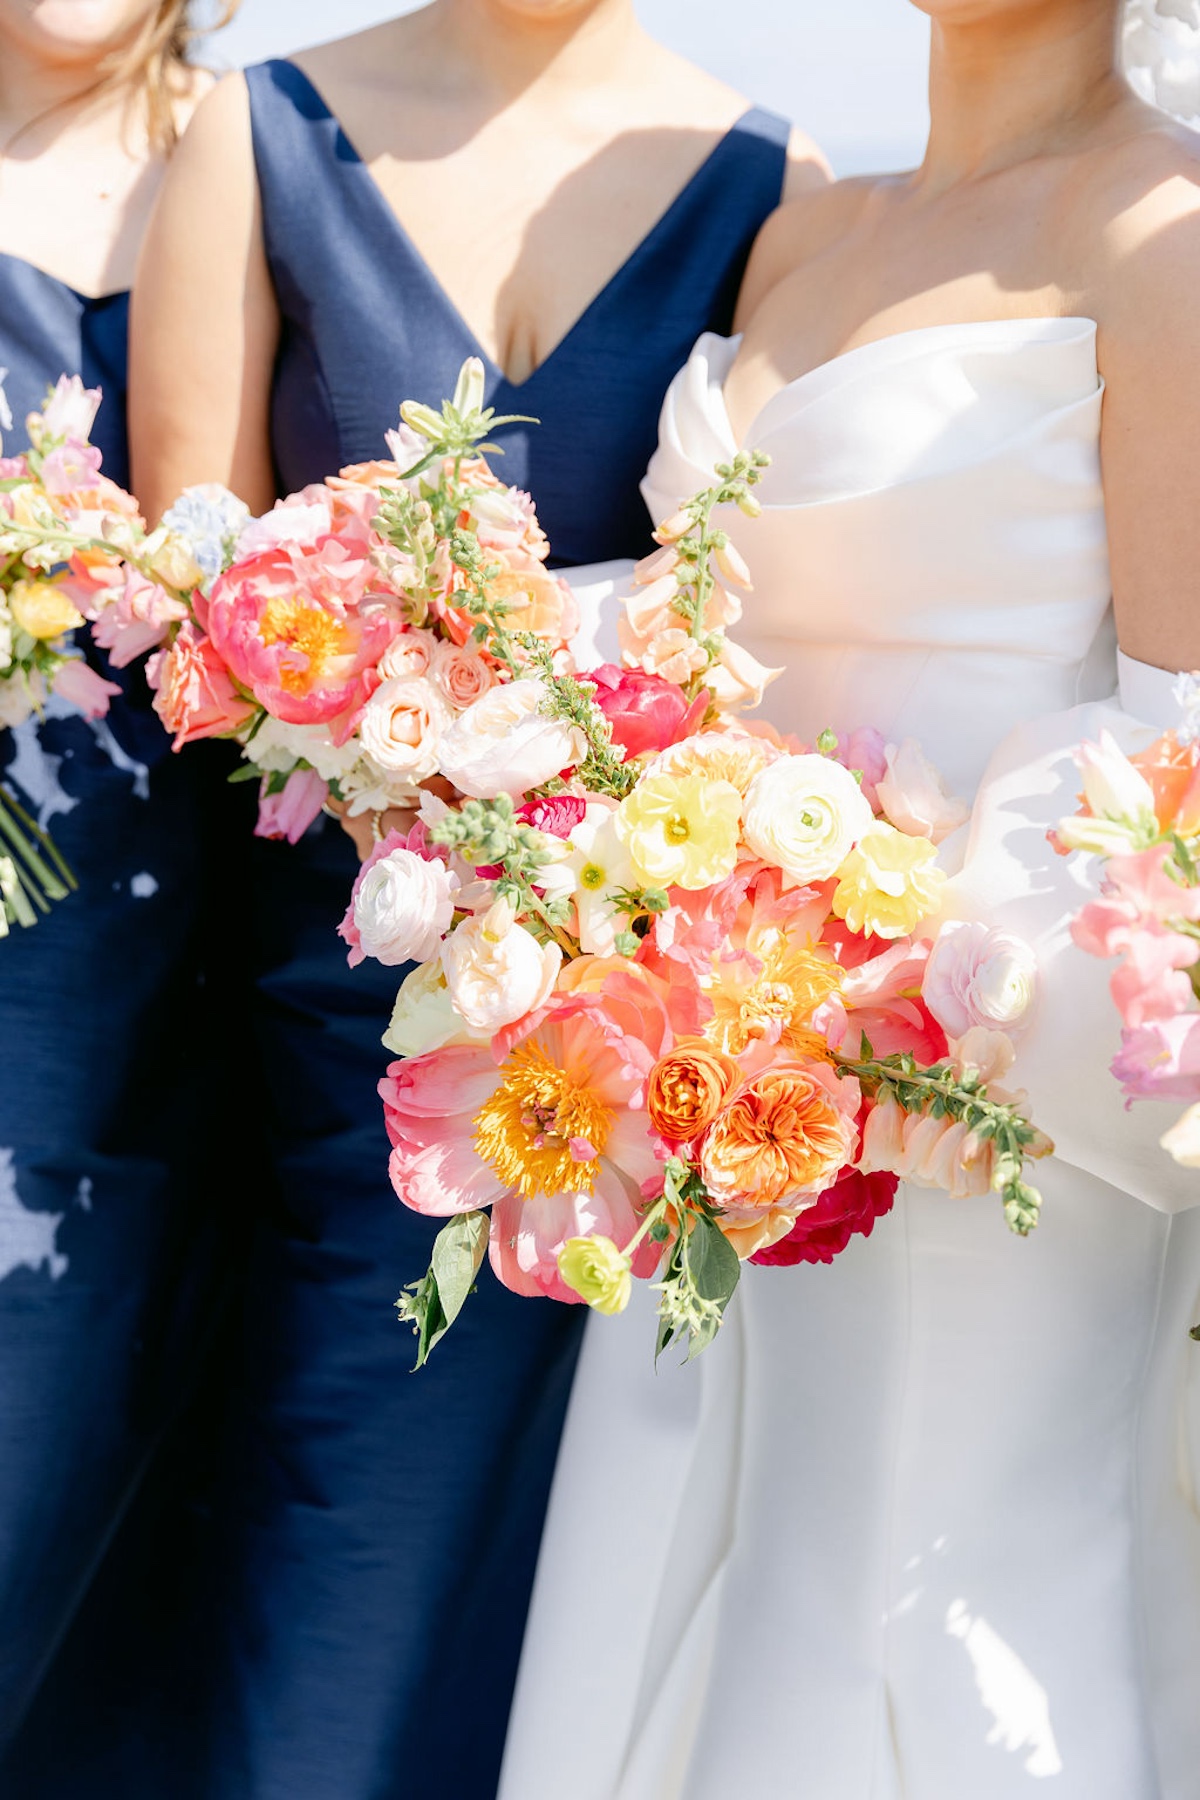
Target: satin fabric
x: 366, y: 1554
x: 921, y: 1524
x: 107, y: 1232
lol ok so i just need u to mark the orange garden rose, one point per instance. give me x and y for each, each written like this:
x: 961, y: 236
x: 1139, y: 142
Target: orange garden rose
x: 789, y: 1132
x: 688, y: 1089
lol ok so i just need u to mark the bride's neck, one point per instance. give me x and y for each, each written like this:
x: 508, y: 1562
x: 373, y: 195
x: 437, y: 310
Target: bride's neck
x: 1023, y: 83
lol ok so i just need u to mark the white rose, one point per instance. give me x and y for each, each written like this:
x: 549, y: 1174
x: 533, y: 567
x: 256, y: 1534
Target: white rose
x: 805, y: 814
x: 505, y: 744
x: 401, y: 728
x: 461, y: 675
x: 978, y: 976
x: 403, y: 907
x: 409, y: 654
x: 913, y: 795
x: 423, y: 1017
x: 497, y: 971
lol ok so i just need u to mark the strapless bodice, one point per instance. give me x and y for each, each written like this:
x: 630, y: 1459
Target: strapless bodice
x: 931, y: 557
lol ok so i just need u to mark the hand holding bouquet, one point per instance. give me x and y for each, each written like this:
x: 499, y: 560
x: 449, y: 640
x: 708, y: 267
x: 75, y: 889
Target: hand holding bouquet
x: 678, y: 1002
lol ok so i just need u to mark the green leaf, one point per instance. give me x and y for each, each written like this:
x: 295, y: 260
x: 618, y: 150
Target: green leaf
x: 712, y: 1263
x: 457, y: 1256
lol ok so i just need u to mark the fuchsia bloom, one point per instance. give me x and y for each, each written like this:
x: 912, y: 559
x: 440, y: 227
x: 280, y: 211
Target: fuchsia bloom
x: 848, y: 1209
x: 292, y: 628
x: 554, y: 1140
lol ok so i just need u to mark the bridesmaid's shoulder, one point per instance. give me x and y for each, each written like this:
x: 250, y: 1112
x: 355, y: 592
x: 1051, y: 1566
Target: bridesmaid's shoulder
x: 810, y: 219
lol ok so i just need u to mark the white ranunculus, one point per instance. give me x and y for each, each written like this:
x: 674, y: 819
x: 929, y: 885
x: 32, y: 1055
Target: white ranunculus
x: 402, y: 726
x: 805, y: 814
x: 276, y: 745
x: 423, y: 1017
x: 505, y: 743
x: 403, y: 907
x: 978, y: 975
x: 913, y: 795
x: 496, y: 970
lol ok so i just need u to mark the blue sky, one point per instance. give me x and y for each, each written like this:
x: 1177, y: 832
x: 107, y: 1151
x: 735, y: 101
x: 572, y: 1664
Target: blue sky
x: 852, y: 72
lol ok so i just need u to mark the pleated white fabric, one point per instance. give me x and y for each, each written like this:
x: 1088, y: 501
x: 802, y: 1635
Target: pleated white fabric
x: 921, y: 1525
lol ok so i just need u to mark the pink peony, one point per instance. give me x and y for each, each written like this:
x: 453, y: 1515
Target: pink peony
x: 645, y: 712
x: 194, y: 696
x: 554, y: 1139
x: 290, y: 626
x: 79, y: 685
x: 848, y: 1209
x: 289, y: 813
x: 1160, y: 1060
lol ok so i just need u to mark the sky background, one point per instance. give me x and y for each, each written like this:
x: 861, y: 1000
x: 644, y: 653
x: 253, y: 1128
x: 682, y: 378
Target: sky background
x: 851, y: 72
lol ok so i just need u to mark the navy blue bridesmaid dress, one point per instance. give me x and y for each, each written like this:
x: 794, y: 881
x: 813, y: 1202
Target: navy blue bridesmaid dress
x: 105, y: 1252
x: 374, y: 1532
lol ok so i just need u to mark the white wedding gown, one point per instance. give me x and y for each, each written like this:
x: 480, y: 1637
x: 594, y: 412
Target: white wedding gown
x: 921, y: 1525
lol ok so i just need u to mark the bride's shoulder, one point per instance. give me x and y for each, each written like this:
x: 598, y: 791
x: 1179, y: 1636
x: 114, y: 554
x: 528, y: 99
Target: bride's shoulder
x: 805, y: 225
x: 1140, y: 207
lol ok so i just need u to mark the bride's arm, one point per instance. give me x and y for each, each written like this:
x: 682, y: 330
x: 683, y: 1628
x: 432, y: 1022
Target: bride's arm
x: 1149, y: 348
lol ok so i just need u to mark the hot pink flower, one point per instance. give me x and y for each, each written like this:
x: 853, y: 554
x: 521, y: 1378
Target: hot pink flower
x: 848, y: 1209
x: 134, y: 618
x: 194, y: 696
x: 290, y: 626
x: 645, y: 712
x: 289, y: 813
x: 557, y: 815
x: 554, y: 1140
x: 1160, y: 1060
x: 79, y: 685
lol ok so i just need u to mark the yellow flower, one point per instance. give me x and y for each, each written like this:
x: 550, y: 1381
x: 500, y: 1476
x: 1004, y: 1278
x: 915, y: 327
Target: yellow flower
x: 681, y: 830
x: 888, y: 883
x: 174, y: 564
x: 771, y: 992
x: 42, y: 609
x: 598, y: 1272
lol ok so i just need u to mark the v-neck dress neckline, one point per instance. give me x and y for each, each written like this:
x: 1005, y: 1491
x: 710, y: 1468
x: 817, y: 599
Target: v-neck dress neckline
x: 626, y: 270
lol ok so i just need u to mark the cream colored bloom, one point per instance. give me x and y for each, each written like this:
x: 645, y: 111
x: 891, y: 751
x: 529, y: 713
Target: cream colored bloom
x: 598, y: 865
x: 1182, y: 1141
x: 424, y: 1017
x: 496, y: 970
x: 402, y: 727
x: 805, y: 814
x: 738, y: 680
x: 681, y: 830
x: 732, y: 756
x: 403, y: 907
x: 888, y: 883
x: 598, y: 1272
x: 913, y: 795
x: 506, y: 744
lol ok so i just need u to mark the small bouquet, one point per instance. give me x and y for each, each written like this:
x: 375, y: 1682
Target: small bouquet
x: 677, y: 1001
x: 1141, y: 817
x: 340, y: 637
x: 65, y: 529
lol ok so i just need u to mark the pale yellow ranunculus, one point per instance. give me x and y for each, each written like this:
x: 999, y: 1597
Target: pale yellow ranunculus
x: 888, y: 883
x: 681, y: 830
x: 598, y: 1272
x: 42, y: 609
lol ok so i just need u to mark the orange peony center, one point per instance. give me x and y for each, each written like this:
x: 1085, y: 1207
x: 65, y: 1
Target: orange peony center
x: 541, y: 1131
x: 308, y: 629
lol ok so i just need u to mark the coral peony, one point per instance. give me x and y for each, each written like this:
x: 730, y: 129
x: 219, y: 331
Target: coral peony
x: 646, y: 713
x: 195, y: 696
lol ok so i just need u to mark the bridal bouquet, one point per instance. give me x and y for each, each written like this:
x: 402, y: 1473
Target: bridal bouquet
x: 64, y: 531
x: 1141, y: 817
x: 340, y: 637
x: 677, y: 1001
